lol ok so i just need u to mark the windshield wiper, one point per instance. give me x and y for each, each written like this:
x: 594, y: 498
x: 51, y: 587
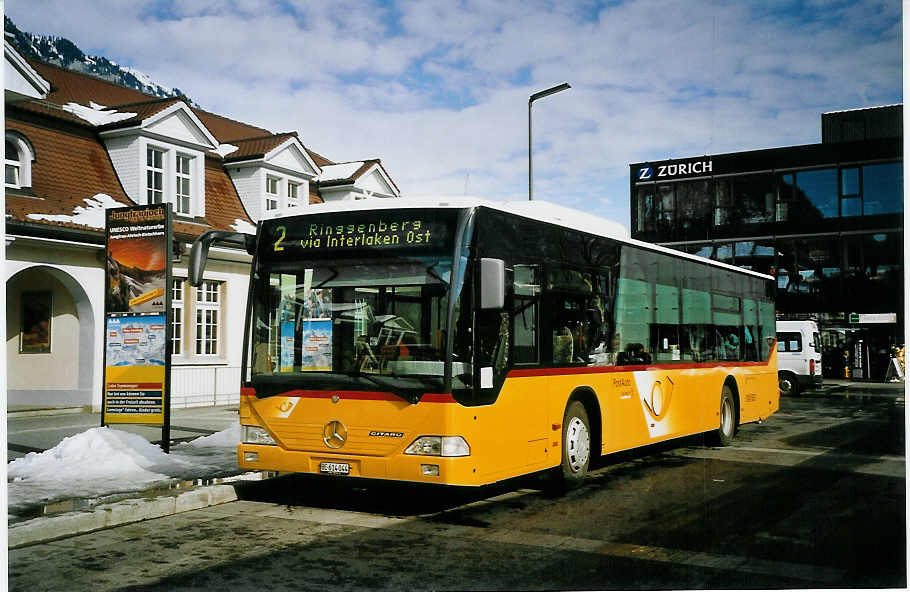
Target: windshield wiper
x: 412, y: 396
x: 432, y: 273
x: 334, y: 275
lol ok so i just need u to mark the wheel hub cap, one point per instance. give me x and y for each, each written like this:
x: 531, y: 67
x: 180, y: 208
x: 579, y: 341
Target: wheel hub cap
x: 578, y: 444
x: 727, y: 417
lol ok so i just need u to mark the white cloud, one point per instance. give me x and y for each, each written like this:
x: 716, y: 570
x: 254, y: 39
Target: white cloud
x: 439, y: 90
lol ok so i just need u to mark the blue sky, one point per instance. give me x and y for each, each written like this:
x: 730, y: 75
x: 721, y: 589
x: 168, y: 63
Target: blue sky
x: 439, y: 89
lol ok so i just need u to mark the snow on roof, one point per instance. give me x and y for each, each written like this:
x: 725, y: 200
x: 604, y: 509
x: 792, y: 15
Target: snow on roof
x: 335, y: 172
x: 243, y: 226
x: 224, y: 149
x: 863, y: 108
x: 72, y: 468
x: 96, y: 114
x: 91, y: 215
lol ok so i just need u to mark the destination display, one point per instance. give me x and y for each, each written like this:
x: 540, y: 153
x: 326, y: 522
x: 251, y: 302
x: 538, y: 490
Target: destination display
x: 357, y: 231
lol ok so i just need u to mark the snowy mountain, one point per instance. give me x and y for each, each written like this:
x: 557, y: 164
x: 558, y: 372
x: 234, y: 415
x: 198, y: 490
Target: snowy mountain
x: 64, y: 53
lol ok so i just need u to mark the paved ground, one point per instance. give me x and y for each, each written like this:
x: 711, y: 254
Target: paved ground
x: 813, y: 498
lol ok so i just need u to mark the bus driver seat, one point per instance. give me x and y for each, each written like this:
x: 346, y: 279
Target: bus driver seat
x: 563, y: 346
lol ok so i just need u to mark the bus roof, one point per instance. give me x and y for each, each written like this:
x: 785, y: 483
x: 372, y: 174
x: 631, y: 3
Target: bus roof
x: 542, y: 211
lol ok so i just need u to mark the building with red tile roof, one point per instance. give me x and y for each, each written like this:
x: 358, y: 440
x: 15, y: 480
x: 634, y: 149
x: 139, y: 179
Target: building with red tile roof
x: 77, y: 145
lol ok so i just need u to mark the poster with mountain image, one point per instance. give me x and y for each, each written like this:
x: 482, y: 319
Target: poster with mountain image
x: 137, y: 258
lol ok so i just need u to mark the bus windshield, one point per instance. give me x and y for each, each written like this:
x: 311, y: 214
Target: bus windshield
x: 375, y: 324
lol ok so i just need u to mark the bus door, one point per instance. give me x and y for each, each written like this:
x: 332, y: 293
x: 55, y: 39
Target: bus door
x: 507, y: 339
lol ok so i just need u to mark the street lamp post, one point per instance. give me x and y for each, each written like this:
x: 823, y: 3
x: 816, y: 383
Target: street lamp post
x: 531, y: 99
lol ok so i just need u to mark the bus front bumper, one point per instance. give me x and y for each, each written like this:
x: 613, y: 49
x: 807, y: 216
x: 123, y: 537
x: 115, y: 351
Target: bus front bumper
x: 401, y: 467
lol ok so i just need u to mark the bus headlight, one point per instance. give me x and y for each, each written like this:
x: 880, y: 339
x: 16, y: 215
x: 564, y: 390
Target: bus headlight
x: 439, y: 446
x: 255, y: 435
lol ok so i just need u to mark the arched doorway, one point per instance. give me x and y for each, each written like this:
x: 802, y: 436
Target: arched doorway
x: 50, y: 339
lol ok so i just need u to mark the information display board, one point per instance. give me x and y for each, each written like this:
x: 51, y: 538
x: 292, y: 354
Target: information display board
x: 137, y: 345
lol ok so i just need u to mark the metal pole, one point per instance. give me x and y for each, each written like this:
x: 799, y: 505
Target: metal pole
x: 530, y: 160
x: 538, y: 95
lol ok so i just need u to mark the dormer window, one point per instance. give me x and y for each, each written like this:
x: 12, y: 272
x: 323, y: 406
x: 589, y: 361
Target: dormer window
x: 170, y: 176
x: 13, y: 165
x: 18, y: 161
x: 184, y: 185
x: 271, y: 193
x: 155, y: 175
x: 293, y: 194
x: 160, y: 157
x: 272, y: 174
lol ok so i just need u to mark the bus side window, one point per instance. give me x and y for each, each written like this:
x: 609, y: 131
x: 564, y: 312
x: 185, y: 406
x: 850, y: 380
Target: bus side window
x: 525, y: 314
x: 573, y: 315
x: 566, y: 328
x: 750, y: 346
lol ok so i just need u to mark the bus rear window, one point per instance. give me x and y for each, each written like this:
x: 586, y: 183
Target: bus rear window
x: 789, y: 342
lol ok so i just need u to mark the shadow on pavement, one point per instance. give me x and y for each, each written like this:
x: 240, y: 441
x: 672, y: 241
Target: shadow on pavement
x: 368, y: 496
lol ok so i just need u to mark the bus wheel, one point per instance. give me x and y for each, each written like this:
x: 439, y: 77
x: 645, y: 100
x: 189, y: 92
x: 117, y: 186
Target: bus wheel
x: 786, y: 382
x: 576, y: 445
x: 723, y: 435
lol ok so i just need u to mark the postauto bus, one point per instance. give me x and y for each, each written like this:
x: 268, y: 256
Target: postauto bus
x: 468, y: 342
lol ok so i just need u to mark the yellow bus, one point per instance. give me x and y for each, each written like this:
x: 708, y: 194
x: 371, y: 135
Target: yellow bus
x: 468, y: 342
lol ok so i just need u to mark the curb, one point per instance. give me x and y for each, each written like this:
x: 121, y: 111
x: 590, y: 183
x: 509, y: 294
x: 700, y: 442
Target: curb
x: 46, y: 412
x: 40, y: 530
x: 850, y: 389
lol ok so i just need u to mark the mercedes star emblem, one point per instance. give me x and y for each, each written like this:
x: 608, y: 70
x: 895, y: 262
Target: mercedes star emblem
x: 334, y: 434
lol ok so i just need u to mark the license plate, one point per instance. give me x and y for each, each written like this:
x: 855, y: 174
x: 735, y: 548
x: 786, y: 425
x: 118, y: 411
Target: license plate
x: 334, y: 468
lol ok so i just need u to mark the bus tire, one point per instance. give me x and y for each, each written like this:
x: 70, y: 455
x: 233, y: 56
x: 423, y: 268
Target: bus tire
x: 787, y: 383
x: 576, y: 445
x: 723, y: 435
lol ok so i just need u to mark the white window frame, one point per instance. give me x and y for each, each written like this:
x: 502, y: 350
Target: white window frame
x: 294, y: 193
x: 175, y: 176
x: 272, y: 198
x: 14, y: 165
x: 208, y: 326
x: 183, y: 200
x: 22, y: 163
x: 178, y: 293
x: 155, y: 190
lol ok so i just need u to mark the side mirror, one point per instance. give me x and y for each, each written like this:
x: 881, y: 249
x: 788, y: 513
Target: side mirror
x: 200, y: 252
x: 492, y: 283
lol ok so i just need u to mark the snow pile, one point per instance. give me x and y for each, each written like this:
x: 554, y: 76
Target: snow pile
x: 243, y: 226
x: 96, y: 114
x: 90, y: 215
x: 103, y: 461
x: 225, y: 438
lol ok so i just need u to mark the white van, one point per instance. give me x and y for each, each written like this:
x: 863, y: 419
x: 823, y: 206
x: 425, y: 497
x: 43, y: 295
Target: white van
x: 799, y: 356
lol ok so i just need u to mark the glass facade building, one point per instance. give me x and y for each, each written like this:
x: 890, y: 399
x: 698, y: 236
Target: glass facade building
x: 825, y: 219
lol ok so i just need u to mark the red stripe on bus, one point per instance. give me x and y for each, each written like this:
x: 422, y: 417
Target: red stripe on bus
x: 354, y: 395
x: 437, y: 398
x: 525, y: 372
